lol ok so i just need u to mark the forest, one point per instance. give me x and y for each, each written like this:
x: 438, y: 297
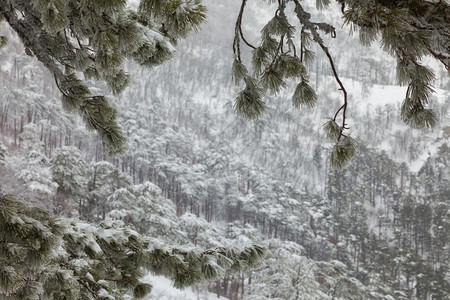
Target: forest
x: 197, y: 175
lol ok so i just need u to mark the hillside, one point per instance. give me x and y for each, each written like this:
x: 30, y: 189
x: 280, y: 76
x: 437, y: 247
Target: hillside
x: 197, y: 173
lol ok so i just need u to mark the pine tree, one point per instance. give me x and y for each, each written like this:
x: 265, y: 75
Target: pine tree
x: 69, y: 172
x: 144, y: 207
x: 45, y: 257
x: 2, y: 153
x: 36, y: 175
x: 286, y: 274
x: 104, y: 179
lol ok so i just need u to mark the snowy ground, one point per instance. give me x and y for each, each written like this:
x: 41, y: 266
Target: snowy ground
x: 163, y: 290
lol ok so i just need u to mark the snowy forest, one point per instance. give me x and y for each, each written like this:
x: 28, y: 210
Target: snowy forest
x: 197, y: 176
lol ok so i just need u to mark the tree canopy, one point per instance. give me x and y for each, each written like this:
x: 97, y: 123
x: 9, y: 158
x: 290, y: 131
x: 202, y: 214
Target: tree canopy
x: 81, y: 41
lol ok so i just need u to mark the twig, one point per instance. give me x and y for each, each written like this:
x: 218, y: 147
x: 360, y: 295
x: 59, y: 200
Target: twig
x: 441, y: 57
x: 304, y: 18
x: 239, y: 24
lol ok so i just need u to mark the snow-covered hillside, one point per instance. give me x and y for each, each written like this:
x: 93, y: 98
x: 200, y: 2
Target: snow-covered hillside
x: 198, y: 175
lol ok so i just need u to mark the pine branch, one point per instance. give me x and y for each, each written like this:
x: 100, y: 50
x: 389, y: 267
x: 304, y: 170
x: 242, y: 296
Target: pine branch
x: 112, y: 136
x: 442, y: 58
x: 304, y: 18
x: 98, y: 260
x: 239, y: 24
x: 238, y: 34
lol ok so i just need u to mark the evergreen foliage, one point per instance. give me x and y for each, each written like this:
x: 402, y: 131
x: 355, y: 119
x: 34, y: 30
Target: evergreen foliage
x: 143, y: 207
x: 325, y: 228
x: 375, y: 230
x: 304, y: 95
x: 408, y: 30
x: 36, y: 175
x: 45, y: 256
x: 93, y: 38
x: 249, y: 102
x: 343, y: 152
x: 68, y: 170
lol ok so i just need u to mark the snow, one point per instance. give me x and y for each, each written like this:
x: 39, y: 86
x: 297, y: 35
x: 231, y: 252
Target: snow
x: 79, y: 264
x: 157, y: 38
x: 388, y: 97
x: 109, y: 235
x: 6, y: 66
x: 65, y: 274
x: 59, y: 252
x: 363, y: 97
x: 380, y: 95
x: 89, y: 277
x: 133, y: 3
x: 163, y: 290
x: 104, y: 294
x: 92, y: 244
x: 16, y: 220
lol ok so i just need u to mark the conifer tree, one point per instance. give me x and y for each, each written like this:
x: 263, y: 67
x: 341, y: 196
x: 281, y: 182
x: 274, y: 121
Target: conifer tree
x: 69, y: 172
x: 45, y: 257
x: 36, y: 175
x: 144, y: 207
x: 2, y: 153
x: 104, y: 179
